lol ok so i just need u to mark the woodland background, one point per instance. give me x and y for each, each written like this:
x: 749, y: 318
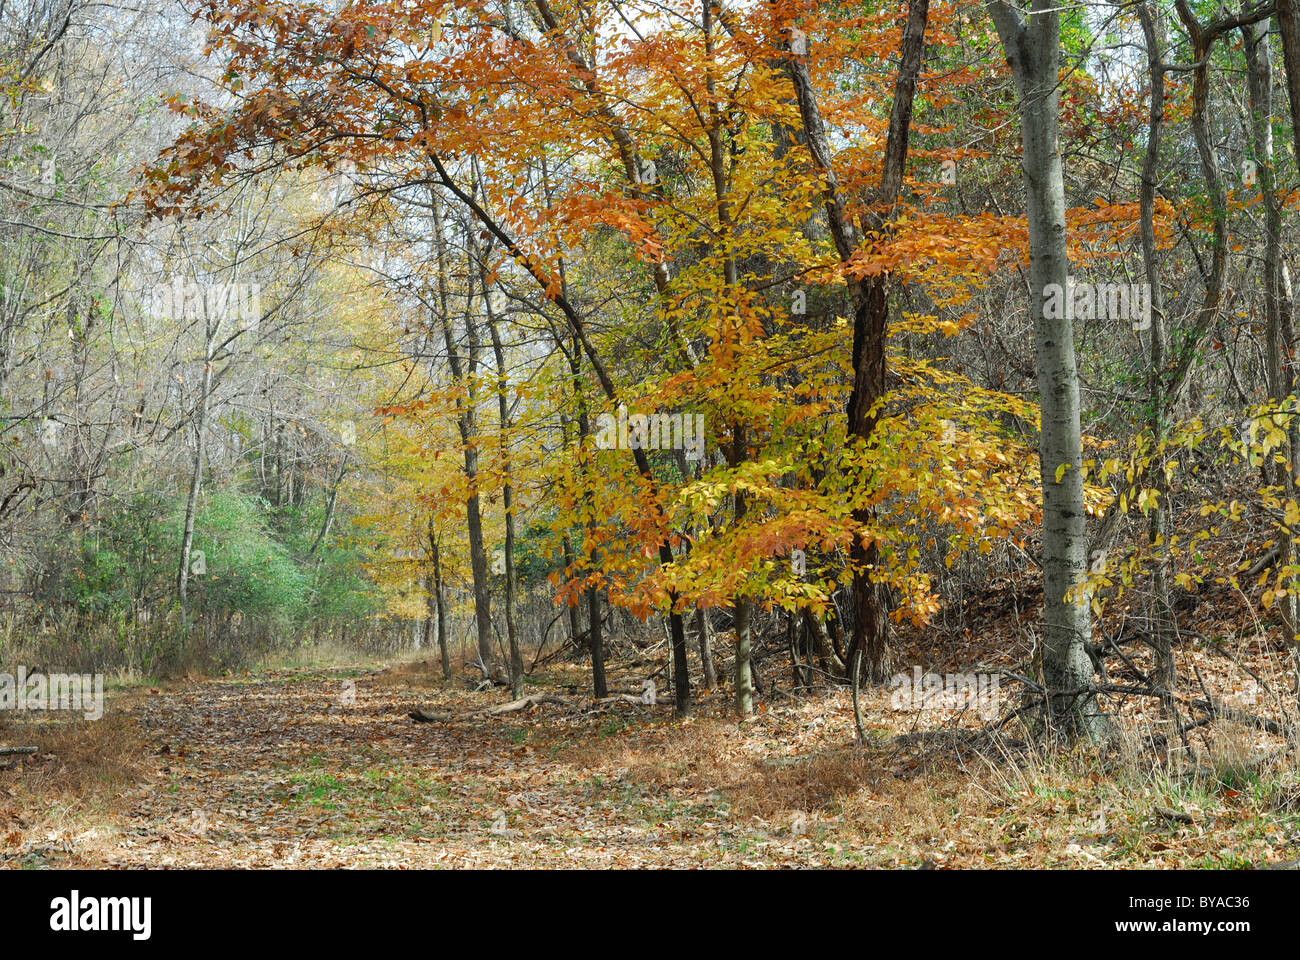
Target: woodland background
x: 458, y: 233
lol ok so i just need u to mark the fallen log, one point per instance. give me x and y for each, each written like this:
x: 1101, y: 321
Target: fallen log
x: 514, y: 706
x: 6, y: 751
x: 608, y: 703
x: 1220, y: 710
x: 1174, y: 816
x: 626, y: 698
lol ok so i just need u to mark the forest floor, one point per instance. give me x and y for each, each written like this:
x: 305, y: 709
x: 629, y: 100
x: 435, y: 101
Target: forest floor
x: 322, y: 766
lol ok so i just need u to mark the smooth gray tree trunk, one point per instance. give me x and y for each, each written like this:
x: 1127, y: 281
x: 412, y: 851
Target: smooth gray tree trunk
x: 1031, y: 40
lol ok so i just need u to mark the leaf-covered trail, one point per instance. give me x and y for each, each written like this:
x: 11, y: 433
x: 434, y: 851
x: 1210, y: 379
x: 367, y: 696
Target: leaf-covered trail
x: 307, y: 769
x: 323, y: 767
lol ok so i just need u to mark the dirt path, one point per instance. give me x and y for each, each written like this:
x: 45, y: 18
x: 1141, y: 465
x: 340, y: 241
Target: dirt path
x: 323, y: 769
x: 320, y: 767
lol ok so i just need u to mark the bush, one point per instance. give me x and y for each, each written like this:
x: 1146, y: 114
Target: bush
x: 111, y: 600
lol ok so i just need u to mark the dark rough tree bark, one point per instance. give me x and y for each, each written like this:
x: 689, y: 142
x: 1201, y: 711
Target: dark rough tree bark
x: 870, y: 301
x: 467, y: 424
x: 1288, y: 26
x: 573, y: 354
x: 704, y: 626
x: 1280, y: 367
x: 1282, y: 340
x: 507, y: 491
x: 677, y: 632
x: 1163, y: 627
x: 437, y: 603
x: 737, y: 450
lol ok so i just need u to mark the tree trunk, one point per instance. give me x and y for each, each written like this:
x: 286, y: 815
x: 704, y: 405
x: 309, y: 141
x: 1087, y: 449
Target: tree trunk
x: 595, y: 635
x: 1163, y: 626
x: 1033, y: 51
x: 507, y: 493
x: 599, y: 686
x: 196, y: 475
x: 870, y: 298
x: 575, y: 626
x: 1289, y: 28
x: 439, y: 604
x: 466, y: 421
x: 730, y: 281
x: 1281, y: 335
x: 681, y: 677
x: 704, y: 625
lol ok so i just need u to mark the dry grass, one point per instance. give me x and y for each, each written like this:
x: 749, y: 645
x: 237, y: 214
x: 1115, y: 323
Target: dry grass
x: 72, y: 785
x: 892, y: 804
x: 81, y: 759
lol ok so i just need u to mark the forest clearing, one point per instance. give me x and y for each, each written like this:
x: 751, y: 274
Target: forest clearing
x: 322, y: 765
x: 268, y: 771
x: 600, y: 434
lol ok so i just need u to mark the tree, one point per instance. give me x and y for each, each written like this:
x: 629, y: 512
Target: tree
x: 1031, y: 40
